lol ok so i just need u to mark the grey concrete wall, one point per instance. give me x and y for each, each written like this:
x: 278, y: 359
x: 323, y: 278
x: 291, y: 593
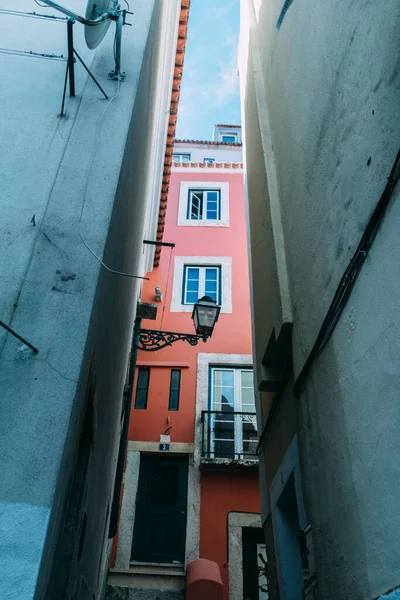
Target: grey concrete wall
x: 332, y: 82
x: 125, y: 593
x: 91, y: 173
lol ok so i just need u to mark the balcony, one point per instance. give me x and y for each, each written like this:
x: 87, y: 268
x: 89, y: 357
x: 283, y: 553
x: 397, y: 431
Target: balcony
x: 229, y: 440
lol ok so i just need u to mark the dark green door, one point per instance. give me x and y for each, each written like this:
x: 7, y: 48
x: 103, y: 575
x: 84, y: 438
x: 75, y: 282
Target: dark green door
x: 160, y: 520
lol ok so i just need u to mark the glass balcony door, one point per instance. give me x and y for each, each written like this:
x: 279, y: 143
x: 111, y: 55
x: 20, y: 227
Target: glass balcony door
x: 233, y: 430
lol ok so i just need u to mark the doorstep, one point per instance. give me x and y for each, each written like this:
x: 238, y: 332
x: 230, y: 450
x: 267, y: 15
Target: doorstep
x: 149, y: 576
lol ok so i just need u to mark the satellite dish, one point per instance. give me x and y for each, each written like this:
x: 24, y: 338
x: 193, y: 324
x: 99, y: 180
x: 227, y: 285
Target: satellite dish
x: 94, y: 34
x: 97, y: 20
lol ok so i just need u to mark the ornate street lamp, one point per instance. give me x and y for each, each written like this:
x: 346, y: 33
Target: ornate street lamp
x: 205, y: 314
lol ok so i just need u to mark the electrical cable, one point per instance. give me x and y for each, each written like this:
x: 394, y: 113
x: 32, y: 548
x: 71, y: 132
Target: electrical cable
x: 31, y: 54
x: 350, y: 275
x: 31, y: 15
x: 99, y: 124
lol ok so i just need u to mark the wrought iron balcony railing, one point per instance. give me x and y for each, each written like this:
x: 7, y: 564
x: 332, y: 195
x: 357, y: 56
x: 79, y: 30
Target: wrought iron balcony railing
x: 228, y: 434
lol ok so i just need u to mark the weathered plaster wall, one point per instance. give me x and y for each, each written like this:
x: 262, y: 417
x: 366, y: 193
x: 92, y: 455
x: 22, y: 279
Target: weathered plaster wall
x: 201, y: 151
x: 222, y: 493
x: 331, y: 76
x: 236, y: 522
x: 90, y: 166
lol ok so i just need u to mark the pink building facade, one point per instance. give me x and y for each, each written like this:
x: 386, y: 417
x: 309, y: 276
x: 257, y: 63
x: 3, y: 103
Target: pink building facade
x: 191, y: 480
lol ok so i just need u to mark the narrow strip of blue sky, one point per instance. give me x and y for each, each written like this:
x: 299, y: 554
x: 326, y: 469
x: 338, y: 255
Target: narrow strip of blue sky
x: 210, y: 85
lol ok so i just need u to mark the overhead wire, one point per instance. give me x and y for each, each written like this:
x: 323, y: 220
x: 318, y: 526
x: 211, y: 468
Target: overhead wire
x: 350, y: 275
x: 99, y: 125
x: 31, y: 15
x: 31, y: 54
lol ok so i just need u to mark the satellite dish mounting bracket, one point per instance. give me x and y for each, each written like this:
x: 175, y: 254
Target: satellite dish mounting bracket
x: 111, y: 12
x: 70, y: 71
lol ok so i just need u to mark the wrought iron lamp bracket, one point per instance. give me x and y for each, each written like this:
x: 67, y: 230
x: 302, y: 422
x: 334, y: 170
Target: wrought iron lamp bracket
x: 151, y: 340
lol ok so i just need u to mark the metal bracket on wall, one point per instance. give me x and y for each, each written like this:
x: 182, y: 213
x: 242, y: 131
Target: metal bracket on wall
x: 7, y: 328
x: 151, y: 340
x: 70, y: 71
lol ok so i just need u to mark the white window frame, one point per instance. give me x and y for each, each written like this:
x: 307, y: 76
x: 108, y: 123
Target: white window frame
x: 185, y: 186
x: 237, y: 406
x: 195, y: 191
x: 228, y: 134
x: 202, y: 281
x: 180, y: 154
x: 225, y: 262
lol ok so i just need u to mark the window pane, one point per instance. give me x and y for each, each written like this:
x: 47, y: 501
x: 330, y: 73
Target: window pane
x: 211, y: 283
x: 229, y: 138
x: 247, y: 385
x: 250, y: 437
x: 193, y: 273
x: 211, y: 287
x: 191, y: 285
x: 248, y: 400
x: 191, y: 297
x: 181, y: 158
x: 213, y: 204
x: 247, y: 378
x: 227, y: 378
x: 142, y: 388
x: 174, y: 390
x: 209, y: 292
x: 223, y: 390
x: 213, y: 195
x: 195, y: 208
x: 211, y: 274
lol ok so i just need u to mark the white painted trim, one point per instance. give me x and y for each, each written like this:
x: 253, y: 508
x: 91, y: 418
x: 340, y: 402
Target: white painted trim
x: 236, y: 522
x: 212, y: 170
x: 128, y: 509
x: 263, y: 115
x: 203, y: 185
x: 289, y: 465
x: 157, y: 132
x: 193, y: 512
x: 175, y: 447
x: 225, y: 262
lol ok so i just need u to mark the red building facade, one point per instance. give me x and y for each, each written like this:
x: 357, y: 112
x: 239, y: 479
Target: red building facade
x: 191, y: 480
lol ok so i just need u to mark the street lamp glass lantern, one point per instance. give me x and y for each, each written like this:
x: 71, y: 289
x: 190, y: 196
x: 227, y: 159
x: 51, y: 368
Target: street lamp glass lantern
x: 205, y: 315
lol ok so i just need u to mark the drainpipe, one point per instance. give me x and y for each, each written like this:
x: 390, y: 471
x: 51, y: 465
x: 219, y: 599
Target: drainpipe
x: 123, y: 444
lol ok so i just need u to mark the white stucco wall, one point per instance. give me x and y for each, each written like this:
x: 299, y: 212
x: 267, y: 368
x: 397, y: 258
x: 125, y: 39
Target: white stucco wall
x: 201, y: 151
x: 331, y: 78
x: 93, y: 167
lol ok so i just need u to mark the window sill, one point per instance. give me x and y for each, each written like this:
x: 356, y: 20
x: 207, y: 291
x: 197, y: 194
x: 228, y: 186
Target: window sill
x: 229, y: 464
x: 139, y: 568
x: 188, y: 308
x: 203, y: 223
